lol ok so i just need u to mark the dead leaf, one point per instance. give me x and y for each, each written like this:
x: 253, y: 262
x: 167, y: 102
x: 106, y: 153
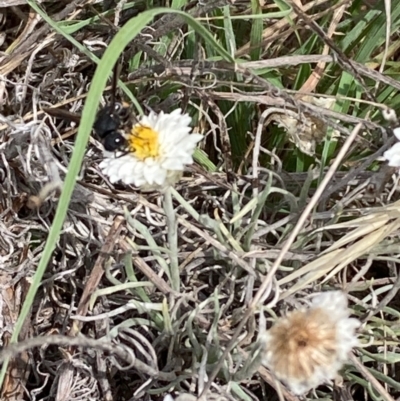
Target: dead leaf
x: 304, y: 130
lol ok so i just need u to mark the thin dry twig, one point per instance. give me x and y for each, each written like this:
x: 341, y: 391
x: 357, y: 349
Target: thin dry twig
x: 96, y: 274
x: 370, y: 378
x: 122, y: 352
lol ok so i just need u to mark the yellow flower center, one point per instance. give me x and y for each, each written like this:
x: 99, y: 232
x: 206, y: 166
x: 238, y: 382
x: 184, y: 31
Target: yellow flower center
x: 143, y: 142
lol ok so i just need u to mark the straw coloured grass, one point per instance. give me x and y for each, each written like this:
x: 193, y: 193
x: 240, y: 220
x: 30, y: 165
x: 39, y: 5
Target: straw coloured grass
x: 111, y: 293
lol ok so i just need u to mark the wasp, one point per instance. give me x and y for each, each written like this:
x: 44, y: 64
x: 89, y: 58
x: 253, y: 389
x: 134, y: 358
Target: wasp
x: 109, y: 125
x: 111, y: 121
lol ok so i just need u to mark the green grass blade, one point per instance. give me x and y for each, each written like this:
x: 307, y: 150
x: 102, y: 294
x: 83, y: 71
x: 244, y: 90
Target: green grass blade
x: 256, y: 31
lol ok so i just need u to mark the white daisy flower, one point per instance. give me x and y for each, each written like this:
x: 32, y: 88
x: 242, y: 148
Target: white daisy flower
x: 308, y: 347
x: 392, y: 155
x: 160, y: 146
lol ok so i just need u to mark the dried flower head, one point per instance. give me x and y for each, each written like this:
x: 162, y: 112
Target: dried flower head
x: 308, y: 347
x: 160, y: 146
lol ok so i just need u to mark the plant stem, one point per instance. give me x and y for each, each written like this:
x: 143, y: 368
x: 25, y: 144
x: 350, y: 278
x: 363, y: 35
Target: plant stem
x: 172, y: 239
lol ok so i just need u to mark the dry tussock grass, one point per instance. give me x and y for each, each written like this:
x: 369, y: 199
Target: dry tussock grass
x: 106, y: 323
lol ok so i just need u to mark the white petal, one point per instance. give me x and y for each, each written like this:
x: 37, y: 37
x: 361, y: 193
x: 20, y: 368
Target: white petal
x: 393, y: 155
x: 161, y: 176
x: 173, y: 164
x: 396, y: 132
x: 150, y: 174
